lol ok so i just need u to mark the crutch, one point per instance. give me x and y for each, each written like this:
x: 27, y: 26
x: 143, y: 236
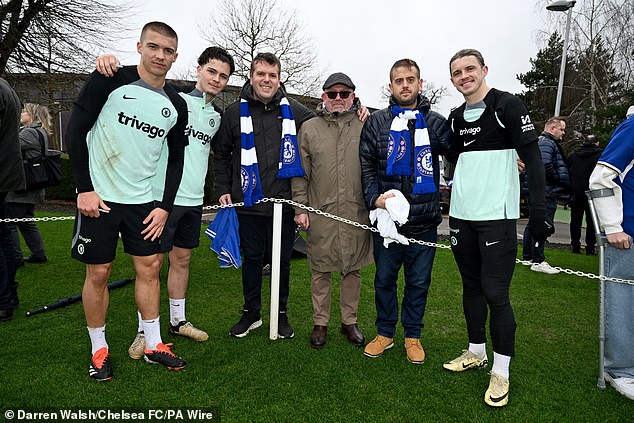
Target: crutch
x: 601, y: 241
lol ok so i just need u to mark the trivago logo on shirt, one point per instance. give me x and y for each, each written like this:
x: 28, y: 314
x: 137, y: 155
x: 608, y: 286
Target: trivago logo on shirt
x: 470, y: 131
x: 199, y: 135
x: 151, y: 130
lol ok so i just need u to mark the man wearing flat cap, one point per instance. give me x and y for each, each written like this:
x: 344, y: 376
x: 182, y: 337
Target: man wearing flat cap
x: 329, y: 147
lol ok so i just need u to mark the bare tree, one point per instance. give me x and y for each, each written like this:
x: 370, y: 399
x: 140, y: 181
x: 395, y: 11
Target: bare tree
x: 248, y: 27
x: 57, y: 35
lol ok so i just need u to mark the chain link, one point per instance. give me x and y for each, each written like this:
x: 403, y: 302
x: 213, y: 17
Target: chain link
x: 348, y: 222
x: 37, y: 219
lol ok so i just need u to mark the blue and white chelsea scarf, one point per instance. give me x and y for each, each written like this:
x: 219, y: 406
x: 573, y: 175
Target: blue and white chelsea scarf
x: 399, y: 150
x: 289, y: 165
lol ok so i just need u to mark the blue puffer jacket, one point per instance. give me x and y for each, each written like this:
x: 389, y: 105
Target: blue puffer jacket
x: 424, y: 213
x: 555, y: 165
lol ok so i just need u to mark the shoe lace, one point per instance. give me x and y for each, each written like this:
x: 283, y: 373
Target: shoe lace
x: 413, y: 343
x: 100, y: 356
x: 164, y: 348
x: 497, y: 384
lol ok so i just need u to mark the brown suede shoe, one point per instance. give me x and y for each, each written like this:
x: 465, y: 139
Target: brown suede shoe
x: 353, y: 333
x: 376, y: 347
x: 415, y: 351
x: 319, y: 336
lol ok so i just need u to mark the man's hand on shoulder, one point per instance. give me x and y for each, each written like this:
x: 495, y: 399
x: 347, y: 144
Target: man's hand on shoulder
x: 107, y: 65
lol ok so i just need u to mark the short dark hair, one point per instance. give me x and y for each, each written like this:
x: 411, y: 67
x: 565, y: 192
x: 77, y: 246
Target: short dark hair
x: 405, y: 63
x: 160, y: 27
x: 217, y: 53
x: 269, y: 58
x: 464, y: 53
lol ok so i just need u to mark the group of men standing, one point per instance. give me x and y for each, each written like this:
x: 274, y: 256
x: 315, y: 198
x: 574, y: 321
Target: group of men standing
x: 128, y: 134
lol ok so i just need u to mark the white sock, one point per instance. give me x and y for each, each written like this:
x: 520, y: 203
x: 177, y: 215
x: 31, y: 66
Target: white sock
x: 152, y: 329
x: 177, y: 311
x: 140, y: 327
x: 97, y: 338
x: 501, y: 364
x: 480, y: 350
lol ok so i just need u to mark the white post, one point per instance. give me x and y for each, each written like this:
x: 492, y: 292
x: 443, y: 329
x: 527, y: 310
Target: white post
x: 275, y: 270
x: 562, y: 67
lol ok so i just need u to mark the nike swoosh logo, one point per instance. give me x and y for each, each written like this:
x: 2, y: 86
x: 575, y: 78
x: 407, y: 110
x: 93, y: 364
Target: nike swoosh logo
x: 466, y: 366
x: 125, y: 97
x: 469, y: 143
x: 498, y: 399
x: 488, y: 244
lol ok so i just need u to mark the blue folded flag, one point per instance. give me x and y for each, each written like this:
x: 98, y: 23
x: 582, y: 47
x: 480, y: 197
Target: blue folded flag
x: 225, y: 239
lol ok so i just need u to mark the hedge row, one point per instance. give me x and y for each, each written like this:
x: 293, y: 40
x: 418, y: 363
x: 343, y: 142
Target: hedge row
x: 66, y: 190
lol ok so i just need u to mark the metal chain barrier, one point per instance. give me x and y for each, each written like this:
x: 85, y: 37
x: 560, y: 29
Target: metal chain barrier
x: 348, y: 222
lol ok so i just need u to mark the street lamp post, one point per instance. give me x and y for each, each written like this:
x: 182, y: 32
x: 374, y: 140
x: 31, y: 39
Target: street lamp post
x: 562, y: 6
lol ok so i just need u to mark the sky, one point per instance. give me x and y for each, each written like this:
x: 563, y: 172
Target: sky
x: 363, y: 38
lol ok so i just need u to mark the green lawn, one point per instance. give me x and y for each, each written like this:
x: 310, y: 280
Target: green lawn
x: 44, y: 358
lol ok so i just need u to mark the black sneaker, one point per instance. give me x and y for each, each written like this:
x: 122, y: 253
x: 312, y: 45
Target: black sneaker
x: 35, y: 259
x: 163, y: 355
x: 248, y: 322
x: 100, y: 368
x: 284, y: 329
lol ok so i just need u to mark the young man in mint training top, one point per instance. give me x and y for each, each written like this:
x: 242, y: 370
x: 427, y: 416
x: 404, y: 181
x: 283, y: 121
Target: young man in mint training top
x: 118, y: 130
x: 182, y: 231
x: 490, y: 130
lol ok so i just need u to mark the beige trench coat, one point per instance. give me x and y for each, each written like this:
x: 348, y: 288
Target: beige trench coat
x: 329, y: 147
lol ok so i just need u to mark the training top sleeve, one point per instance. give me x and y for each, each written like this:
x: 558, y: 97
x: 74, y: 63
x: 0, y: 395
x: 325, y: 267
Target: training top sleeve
x: 88, y: 105
x: 177, y: 140
x: 515, y: 117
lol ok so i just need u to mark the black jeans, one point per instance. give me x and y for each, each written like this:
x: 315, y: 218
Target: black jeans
x: 256, y: 237
x: 485, y: 253
x: 578, y: 207
x: 8, y: 285
x: 29, y: 231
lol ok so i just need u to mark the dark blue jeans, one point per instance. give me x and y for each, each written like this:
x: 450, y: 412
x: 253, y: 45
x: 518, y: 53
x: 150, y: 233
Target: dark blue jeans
x: 8, y: 285
x: 417, y: 261
x: 532, y: 250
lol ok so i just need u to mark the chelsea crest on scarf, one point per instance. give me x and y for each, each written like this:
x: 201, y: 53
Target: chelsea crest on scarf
x: 399, y: 150
x: 289, y: 165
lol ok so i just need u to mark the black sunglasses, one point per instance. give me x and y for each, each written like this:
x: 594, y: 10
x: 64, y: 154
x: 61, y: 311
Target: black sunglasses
x: 333, y: 94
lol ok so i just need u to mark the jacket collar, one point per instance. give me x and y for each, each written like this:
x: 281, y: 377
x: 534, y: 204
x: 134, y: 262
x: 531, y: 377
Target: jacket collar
x: 422, y: 103
x: 550, y: 136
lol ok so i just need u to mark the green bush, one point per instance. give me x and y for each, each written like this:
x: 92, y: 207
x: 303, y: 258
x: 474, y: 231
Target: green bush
x: 65, y: 190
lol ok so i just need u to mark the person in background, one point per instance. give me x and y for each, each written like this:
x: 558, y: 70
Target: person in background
x: 36, y: 128
x: 581, y: 163
x: 557, y: 183
x: 11, y: 179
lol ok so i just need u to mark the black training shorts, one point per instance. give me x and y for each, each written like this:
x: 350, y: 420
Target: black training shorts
x: 182, y: 229
x: 95, y: 239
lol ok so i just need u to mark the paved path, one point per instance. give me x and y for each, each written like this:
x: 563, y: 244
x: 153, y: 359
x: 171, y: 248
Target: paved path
x: 561, y: 235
